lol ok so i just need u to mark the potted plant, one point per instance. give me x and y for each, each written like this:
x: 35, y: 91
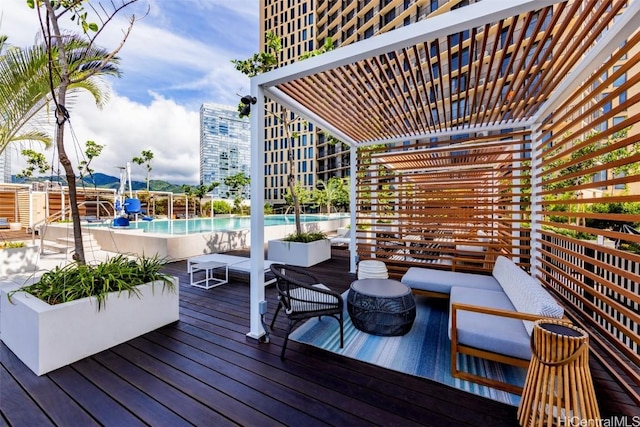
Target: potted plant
x: 75, y: 311
x: 300, y: 249
x: 17, y: 257
x: 257, y: 64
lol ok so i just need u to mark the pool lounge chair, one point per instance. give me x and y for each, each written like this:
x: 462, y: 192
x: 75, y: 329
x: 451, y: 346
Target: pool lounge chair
x: 341, y: 240
x: 235, y: 263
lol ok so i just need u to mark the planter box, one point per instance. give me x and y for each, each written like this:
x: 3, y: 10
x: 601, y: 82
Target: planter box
x: 46, y: 337
x: 299, y: 254
x: 18, y: 260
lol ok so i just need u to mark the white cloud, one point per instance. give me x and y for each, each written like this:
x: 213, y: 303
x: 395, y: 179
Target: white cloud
x: 175, y: 59
x: 126, y: 128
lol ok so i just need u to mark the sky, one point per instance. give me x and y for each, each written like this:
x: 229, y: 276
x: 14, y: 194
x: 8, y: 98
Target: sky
x: 177, y: 57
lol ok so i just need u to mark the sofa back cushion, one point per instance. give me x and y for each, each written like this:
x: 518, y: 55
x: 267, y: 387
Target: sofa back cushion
x: 526, y: 294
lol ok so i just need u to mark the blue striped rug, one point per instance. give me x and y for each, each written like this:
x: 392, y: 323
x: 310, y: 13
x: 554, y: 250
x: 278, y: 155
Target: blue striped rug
x: 425, y: 351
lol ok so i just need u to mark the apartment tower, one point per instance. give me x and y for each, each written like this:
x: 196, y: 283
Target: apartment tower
x: 224, y: 145
x: 304, y: 25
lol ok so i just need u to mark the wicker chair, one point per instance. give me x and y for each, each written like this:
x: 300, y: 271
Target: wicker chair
x: 302, y: 296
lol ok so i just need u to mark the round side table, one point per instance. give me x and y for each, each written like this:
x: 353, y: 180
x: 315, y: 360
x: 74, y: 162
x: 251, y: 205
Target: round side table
x: 381, y: 306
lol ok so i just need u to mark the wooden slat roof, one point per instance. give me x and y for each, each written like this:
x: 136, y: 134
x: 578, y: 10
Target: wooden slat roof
x: 486, y: 65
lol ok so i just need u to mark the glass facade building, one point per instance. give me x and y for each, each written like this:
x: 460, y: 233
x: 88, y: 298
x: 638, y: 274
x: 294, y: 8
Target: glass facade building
x: 224, y: 146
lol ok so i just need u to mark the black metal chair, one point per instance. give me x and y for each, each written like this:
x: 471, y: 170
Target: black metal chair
x: 303, y: 297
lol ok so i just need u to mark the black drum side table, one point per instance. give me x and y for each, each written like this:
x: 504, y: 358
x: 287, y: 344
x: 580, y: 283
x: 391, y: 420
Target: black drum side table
x: 381, y: 306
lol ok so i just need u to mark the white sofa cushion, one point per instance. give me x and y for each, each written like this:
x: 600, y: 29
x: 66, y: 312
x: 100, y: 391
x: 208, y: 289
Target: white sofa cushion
x: 525, y: 293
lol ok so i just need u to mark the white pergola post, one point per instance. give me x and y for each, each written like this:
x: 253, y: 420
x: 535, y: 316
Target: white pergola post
x: 257, y: 211
x: 516, y: 199
x: 352, y: 209
x: 536, y: 198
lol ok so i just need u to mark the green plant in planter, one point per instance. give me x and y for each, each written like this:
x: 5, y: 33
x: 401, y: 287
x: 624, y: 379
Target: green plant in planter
x: 9, y: 245
x: 305, y: 237
x: 117, y: 274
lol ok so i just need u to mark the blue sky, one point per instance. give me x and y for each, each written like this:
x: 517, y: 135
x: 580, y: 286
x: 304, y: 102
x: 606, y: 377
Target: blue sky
x: 176, y: 58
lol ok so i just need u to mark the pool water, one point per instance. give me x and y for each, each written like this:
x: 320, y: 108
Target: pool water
x: 203, y: 225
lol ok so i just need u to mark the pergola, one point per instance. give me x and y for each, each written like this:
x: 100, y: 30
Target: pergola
x: 485, y: 80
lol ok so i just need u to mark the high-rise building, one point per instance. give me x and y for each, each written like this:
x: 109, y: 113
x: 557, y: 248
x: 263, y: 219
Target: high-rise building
x: 5, y: 166
x: 304, y: 25
x: 224, y: 146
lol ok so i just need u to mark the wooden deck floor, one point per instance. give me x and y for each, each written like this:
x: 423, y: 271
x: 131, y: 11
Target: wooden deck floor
x: 204, y: 371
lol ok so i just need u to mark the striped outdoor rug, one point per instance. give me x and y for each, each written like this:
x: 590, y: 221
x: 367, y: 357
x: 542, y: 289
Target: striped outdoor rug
x: 425, y: 351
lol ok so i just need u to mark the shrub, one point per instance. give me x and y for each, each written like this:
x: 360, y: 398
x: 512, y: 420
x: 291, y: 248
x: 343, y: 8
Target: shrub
x: 117, y: 274
x: 221, y: 207
x: 9, y: 245
x: 305, y: 237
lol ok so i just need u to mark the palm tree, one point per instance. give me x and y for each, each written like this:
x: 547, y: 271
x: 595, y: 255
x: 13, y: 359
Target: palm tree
x: 74, y: 61
x: 25, y: 87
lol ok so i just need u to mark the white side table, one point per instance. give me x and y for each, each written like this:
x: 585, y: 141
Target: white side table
x: 209, y: 281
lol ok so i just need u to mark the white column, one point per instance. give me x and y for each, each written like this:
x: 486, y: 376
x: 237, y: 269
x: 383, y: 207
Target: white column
x: 536, y: 198
x: 257, y: 211
x: 352, y: 209
x: 516, y: 199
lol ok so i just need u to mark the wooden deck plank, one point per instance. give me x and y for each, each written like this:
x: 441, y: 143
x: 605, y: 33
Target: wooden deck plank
x: 203, y: 370
x: 257, y: 406
x: 295, y: 392
x: 258, y: 391
x: 140, y: 402
x: 195, y: 387
x: 54, y: 403
x: 96, y: 402
x: 159, y: 387
x: 17, y: 407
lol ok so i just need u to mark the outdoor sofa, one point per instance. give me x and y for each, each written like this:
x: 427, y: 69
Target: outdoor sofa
x: 490, y: 317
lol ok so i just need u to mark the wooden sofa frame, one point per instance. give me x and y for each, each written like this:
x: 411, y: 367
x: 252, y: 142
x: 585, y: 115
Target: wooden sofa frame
x: 484, y: 354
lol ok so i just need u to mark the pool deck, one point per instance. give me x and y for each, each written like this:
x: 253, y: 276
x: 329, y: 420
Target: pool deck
x: 180, y: 247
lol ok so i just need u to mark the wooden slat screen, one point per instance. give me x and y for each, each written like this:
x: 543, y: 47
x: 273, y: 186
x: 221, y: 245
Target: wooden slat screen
x: 445, y: 207
x: 589, y: 151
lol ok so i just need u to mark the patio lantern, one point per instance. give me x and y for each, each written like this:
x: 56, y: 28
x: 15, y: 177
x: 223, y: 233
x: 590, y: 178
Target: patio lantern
x: 559, y: 388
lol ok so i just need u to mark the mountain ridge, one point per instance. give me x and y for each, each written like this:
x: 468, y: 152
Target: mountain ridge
x: 101, y: 180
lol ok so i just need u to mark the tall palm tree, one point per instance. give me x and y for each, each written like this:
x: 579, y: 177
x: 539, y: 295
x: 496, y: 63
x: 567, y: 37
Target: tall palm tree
x: 25, y: 85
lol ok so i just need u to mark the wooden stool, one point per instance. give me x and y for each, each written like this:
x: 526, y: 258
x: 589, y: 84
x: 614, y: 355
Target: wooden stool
x: 558, y: 389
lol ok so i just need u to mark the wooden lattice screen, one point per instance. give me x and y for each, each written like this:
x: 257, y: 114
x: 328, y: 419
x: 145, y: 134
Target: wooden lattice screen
x: 443, y: 207
x: 588, y: 208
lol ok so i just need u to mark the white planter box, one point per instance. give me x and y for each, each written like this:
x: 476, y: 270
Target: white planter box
x: 18, y: 260
x: 46, y: 337
x: 300, y: 254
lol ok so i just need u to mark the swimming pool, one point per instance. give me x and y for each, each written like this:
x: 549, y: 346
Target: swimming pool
x: 204, y: 225
x: 182, y: 239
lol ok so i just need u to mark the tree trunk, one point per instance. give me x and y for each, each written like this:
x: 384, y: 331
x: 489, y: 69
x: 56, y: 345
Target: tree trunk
x: 71, y: 178
x: 62, y: 115
x: 292, y: 188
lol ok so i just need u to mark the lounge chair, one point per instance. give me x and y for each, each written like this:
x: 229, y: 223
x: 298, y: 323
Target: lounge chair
x: 234, y: 263
x: 341, y: 240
